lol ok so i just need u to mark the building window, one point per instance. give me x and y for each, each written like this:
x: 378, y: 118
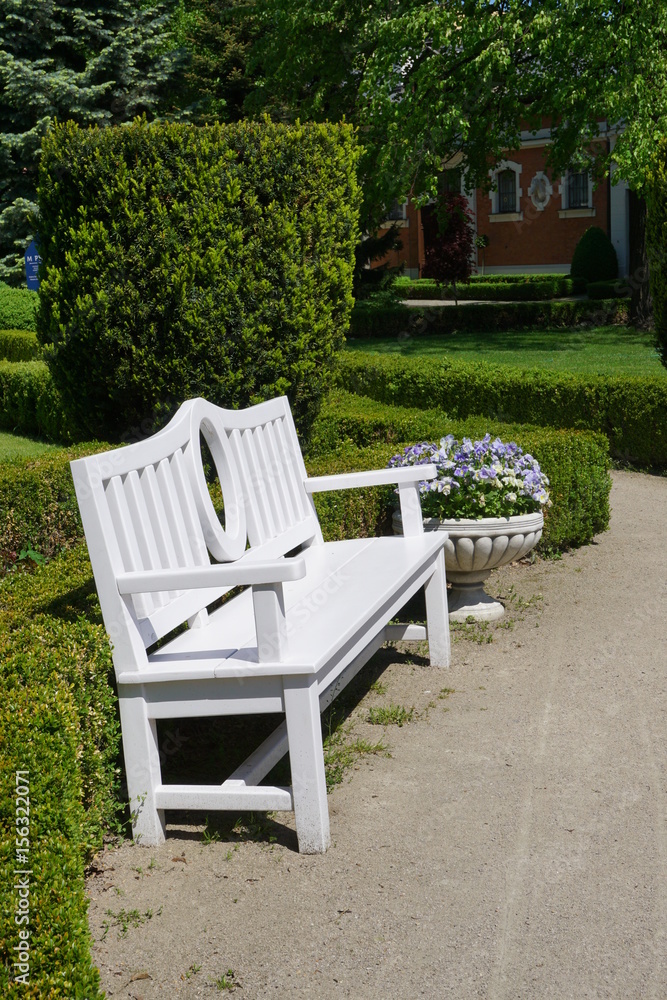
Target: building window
x: 506, y: 193
x: 577, y: 189
x: 451, y: 182
x: 506, y: 180
x: 397, y: 211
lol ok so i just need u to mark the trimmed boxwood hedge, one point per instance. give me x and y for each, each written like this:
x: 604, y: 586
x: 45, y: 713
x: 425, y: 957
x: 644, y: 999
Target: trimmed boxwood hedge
x: 19, y: 345
x: 576, y: 462
x: 30, y: 402
x: 630, y: 410
x: 513, y: 291
x: 18, y: 308
x: 371, y: 320
x: 484, y: 279
x: 58, y: 719
x: 38, y: 507
x: 606, y: 289
x: 182, y: 261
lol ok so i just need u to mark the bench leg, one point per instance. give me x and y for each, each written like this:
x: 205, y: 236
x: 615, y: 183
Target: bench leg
x: 142, y: 766
x: 309, y: 788
x: 437, y: 617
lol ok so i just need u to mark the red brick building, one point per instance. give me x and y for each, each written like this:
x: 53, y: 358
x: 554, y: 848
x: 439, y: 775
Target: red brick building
x: 531, y: 218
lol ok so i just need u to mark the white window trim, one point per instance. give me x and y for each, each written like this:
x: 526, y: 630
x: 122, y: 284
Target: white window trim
x: 493, y: 193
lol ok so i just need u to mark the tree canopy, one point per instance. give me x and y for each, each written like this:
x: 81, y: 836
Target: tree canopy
x: 97, y: 64
x: 425, y: 81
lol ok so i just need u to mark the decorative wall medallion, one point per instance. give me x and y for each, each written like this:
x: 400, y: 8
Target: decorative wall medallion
x: 540, y: 191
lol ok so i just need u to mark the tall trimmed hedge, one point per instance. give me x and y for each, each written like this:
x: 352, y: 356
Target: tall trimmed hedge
x: 630, y: 410
x: 656, y: 245
x: 183, y: 261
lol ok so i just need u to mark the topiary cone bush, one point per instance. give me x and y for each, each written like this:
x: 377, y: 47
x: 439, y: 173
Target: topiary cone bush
x: 656, y: 245
x: 182, y: 261
x: 594, y: 257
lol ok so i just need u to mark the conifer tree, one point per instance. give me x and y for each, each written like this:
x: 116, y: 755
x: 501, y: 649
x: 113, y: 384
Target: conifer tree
x: 98, y: 64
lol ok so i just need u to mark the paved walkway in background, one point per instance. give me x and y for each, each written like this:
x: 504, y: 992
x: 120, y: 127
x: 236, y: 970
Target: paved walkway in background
x: 513, y: 847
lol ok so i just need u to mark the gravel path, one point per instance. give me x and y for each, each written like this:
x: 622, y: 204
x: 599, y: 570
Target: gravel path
x: 513, y: 847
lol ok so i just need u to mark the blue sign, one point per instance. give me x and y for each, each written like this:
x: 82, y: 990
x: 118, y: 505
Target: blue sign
x: 32, y: 262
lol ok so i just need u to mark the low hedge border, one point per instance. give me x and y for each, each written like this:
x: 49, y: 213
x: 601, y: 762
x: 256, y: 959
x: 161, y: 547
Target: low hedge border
x: 485, y: 279
x: 515, y: 291
x: 370, y: 320
x: 17, y: 308
x: 576, y: 462
x: 38, y: 507
x: 630, y: 410
x: 58, y: 720
x: 19, y: 345
x: 30, y: 402
x: 607, y: 289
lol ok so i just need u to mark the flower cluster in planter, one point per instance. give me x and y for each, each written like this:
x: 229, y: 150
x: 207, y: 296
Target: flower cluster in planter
x: 477, y: 478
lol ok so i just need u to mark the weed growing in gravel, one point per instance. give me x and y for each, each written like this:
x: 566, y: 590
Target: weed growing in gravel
x: 341, y: 752
x: 377, y: 687
x: 228, y: 981
x: 472, y: 630
x: 125, y: 919
x: 210, y: 835
x: 193, y: 970
x: 517, y: 602
x: 390, y: 715
x: 445, y: 692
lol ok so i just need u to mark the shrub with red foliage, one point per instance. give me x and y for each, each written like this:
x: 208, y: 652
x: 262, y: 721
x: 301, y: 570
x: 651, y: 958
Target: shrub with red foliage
x: 448, y: 240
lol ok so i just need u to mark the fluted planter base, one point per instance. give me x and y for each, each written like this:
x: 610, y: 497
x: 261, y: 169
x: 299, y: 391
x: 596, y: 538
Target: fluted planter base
x: 470, y: 600
x: 473, y: 549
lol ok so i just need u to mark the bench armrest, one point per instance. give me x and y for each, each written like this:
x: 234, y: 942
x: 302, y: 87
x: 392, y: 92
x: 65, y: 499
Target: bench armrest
x: 375, y: 477
x: 202, y: 577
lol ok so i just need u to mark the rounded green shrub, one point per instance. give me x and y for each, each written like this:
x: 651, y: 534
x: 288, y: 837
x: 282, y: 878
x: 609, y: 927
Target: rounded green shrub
x: 17, y: 308
x: 182, y: 261
x: 594, y: 257
x: 18, y: 345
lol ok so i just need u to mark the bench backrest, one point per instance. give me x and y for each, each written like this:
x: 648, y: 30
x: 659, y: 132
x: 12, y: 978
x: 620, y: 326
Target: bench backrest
x: 147, y: 506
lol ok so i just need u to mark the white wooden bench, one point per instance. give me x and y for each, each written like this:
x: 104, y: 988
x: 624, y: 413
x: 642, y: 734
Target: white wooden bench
x: 312, y: 614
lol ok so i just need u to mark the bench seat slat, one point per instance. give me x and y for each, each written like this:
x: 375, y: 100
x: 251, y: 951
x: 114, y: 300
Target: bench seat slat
x: 345, y: 584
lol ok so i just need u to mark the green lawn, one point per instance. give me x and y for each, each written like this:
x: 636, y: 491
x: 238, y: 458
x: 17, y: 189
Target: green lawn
x: 14, y: 446
x: 607, y: 350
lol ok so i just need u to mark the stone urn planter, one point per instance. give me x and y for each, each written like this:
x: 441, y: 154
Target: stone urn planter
x: 473, y: 549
